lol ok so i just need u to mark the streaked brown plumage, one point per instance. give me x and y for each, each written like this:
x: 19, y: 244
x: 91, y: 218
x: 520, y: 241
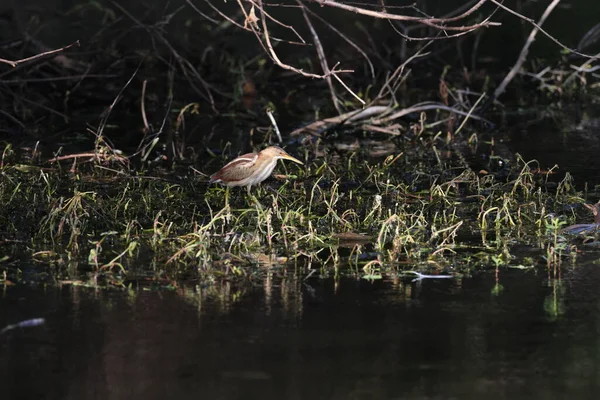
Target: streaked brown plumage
x: 252, y: 168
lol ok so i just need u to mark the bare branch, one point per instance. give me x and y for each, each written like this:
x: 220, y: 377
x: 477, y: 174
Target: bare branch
x: 381, y: 116
x: 424, y: 107
x: 214, y: 21
x: 399, y: 72
x: 525, y: 50
x: 532, y: 22
x: 143, y: 107
x: 186, y: 67
x: 433, y: 22
x: 322, y: 59
x: 38, y: 56
x: 274, y: 122
x: 346, y: 39
x: 275, y: 58
x: 279, y: 22
x: 348, y: 89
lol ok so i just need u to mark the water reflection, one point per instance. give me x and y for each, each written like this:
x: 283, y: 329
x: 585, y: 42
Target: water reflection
x: 287, y: 338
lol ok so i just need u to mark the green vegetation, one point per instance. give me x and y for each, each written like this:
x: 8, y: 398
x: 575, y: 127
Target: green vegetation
x: 349, y: 214
x: 388, y: 135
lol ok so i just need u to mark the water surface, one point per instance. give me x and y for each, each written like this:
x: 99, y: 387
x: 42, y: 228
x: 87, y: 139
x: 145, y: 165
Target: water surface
x: 287, y: 339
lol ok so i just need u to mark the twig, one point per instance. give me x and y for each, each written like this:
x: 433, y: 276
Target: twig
x: 279, y: 22
x: 311, y: 273
x: 433, y: 22
x: 275, y: 58
x: 225, y: 16
x: 38, y: 56
x: 71, y: 156
x: 44, y: 107
x: 143, y: 107
x: 272, y: 118
x: 185, y: 65
x: 147, y: 149
x: 583, y: 68
x: 525, y: 50
x: 390, y: 130
x: 107, y: 112
x: 349, y: 90
x: 56, y: 79
x: 13, y: 119
x: 352, y: 116
x: 322, y: 58
x: 214, y: 21
x: 355, y: 116
x: 532, y: 22
x: 425, y: 107
x: 421, y: 276
x: 464, y: 121
x: 246, y: 19
x: 398, y: 72
x: 448, y: 17
x: 346, y: 39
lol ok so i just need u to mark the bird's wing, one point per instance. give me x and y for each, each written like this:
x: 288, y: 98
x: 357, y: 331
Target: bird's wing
x: 242, y: 163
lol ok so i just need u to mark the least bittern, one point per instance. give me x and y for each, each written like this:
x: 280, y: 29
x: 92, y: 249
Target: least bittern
x: 586, y: 229
x: 252, y: 168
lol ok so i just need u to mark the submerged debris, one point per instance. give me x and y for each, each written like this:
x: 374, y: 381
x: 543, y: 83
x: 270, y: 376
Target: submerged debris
x: 421, y: 276
x: 29, y: 323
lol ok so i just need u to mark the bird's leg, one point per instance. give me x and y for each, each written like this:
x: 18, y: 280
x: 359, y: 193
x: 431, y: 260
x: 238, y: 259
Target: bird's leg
x: 226, y: 208
x: 279, y: 193
x: 253, y: 198
x: 274, y: 191
x: 227, y: 196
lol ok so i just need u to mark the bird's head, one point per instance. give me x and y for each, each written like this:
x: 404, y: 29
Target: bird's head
x: 278, y: 153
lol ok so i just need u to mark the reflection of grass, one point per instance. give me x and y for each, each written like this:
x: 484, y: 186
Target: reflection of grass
x: 405, y: 218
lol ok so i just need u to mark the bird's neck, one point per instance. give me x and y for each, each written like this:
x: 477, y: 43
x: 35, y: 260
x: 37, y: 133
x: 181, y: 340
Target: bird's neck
x: 267, y: 170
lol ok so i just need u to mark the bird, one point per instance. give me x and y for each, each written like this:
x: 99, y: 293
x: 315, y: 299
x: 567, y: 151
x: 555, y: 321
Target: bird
x: 595, y: 209
x: 586, y: 229
x: 252, y: 168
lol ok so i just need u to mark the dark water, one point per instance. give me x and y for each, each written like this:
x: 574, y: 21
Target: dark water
x: 288, y: 339
x: 575, y: 151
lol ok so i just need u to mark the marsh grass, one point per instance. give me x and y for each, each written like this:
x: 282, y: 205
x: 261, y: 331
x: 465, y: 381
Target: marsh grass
x: 93, y: 219
x: 110, y: 225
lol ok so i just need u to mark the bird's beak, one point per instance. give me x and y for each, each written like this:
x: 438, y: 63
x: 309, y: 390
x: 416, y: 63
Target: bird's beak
x: 286, y: 156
